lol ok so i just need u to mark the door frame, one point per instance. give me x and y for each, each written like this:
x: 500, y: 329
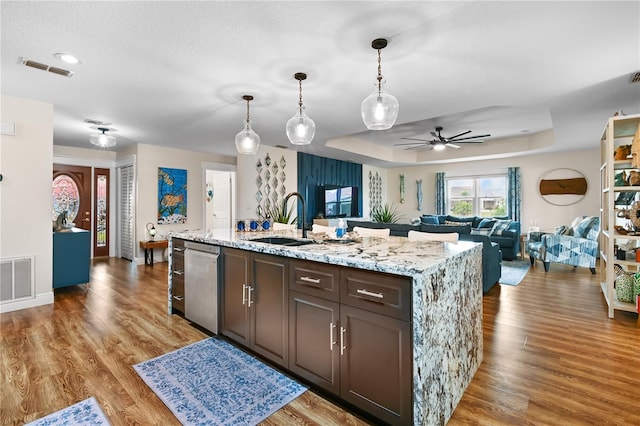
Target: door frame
x: 219, y: 167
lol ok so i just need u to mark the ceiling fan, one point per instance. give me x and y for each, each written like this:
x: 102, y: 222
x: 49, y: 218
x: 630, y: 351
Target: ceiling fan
x: 439, y: 142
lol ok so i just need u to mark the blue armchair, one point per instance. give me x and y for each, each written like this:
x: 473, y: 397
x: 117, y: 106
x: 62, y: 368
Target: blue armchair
x: 576, y: 245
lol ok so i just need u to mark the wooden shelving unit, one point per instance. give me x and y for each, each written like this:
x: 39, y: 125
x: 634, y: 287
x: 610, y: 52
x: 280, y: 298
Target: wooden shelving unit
x: 618, y: 131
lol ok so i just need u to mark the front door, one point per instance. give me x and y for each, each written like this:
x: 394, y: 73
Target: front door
x: 101, y: 213
x: 72, y: 194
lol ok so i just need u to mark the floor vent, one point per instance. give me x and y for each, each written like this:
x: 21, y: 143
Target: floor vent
x: 16, y: 279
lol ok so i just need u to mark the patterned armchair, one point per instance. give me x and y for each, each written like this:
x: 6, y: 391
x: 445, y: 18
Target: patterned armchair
x: 576, y: 245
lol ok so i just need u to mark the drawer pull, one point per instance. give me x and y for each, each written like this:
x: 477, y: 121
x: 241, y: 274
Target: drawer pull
x: 179, y: 298
x: 369, y: 293
x: 342, y: 339
x: 310, y: 280
x: 178, y: 249
x: 331, y: 342
x: 178, y: 272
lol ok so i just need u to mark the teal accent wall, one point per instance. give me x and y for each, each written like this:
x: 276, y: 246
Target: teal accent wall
x: 314, y: 171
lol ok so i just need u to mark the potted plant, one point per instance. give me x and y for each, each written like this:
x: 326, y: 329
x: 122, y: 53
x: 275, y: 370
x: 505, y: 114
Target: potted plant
x: 386, y: 214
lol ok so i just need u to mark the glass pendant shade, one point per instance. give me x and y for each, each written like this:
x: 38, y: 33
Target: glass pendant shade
x: 102, y: 139
x: 379, y: 110
x: 247, y: 141
x: 300, y: 129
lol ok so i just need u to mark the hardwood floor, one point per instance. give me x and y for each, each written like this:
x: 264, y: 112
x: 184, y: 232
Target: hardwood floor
x: 551, y: 355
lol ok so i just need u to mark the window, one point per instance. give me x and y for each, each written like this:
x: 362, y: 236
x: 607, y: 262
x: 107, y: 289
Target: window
x: 484, y: 196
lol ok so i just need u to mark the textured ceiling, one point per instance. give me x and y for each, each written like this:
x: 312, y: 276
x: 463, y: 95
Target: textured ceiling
x: 173, y: 73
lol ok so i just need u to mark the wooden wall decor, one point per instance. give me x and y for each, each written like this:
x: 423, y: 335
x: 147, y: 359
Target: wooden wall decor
x: 562, y: 187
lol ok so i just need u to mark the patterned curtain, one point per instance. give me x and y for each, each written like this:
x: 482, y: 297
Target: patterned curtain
x: 441, y: 204
x: 514, y: 193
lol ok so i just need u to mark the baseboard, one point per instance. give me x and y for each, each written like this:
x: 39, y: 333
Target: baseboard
x: 39, y: 300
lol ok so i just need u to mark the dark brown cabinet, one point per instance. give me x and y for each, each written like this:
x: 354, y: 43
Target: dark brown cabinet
x: 360, y: 348
x: 255, y: 302
x: 177, y: 276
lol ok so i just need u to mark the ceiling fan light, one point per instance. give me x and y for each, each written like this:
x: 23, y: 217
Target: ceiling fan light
x: 300, y: 129
x: 439, y: 146
x: 379, y: 110
x: 247, y: 140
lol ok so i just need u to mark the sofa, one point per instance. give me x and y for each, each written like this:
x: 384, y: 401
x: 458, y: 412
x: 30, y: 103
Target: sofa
x: 491, y: 255
x: 500, y: 230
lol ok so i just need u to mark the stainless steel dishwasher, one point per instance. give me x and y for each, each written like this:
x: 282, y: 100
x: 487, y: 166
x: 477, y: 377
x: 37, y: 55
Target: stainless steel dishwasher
x: 201, y: 284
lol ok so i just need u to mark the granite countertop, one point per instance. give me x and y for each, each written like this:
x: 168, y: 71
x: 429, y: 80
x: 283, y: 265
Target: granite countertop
x: 397, y: 255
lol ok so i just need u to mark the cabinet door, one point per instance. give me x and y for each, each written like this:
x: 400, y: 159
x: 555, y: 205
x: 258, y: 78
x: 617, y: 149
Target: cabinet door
x: 269, y: 307
x: 235, y: 312
x: 313, y: 331
x: 375, y: 365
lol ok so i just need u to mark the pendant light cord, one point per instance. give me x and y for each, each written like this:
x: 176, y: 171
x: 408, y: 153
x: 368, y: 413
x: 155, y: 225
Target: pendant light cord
x: 247, y: 110
x: 379, y: 73
x: 300, y: 102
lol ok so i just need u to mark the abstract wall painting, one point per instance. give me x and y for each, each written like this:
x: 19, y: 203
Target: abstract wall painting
x: 172, y: 196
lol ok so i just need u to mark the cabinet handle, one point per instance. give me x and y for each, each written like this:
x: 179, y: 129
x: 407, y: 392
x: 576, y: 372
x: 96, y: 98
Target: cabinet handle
x: 342, y: 345
x: 331, y: 342
x: 310, y: 280
x: 178, y: 249
x: 369, y: 293
x: 244, y: 294
x: 178, y: 272
x: 178, y: 298
x: 249, y: 295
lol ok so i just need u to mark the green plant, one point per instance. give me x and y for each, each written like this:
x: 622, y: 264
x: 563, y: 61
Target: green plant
x: 462, y: 208
x: 278, y: 212
x: 386, y: 214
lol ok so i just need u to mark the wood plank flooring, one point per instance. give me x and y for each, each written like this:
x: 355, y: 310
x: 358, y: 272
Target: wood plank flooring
x: 551, y: 355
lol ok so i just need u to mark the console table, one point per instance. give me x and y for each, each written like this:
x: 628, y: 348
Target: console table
x: 148, y: 247
x: 71, y: 257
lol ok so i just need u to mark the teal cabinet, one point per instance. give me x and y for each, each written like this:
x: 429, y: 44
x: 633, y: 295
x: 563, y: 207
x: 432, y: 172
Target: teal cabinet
x: 71, y: 257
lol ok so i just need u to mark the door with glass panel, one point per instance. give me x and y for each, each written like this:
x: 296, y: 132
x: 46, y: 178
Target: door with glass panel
x: 72, y: 194
x: 101, y: 212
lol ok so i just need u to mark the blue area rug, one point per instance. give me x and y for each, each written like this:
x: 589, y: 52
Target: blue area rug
x: 214, y: 383
x: 83, y: 413
x: 513, y: 271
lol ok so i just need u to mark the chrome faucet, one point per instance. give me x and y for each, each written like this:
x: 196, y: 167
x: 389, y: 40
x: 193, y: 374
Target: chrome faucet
x: 284, y: 206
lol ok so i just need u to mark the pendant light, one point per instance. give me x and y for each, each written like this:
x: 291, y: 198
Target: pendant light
x: 102, y: 139
x: 300, y: 128
x: 247, y: 141
x: 379, y: 109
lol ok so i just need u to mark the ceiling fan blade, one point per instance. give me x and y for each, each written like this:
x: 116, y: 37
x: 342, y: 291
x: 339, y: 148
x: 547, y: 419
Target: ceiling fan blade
x: 434, y: 135
x: 459, y: 134
x: 452, y: 145
x: 410, y: 143
x: 426, y: 146
x: 468, y: 141
x: 471, y: 137
x: 414, y: 139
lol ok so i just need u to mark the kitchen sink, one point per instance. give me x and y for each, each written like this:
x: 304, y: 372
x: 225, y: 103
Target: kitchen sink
x: 283, y: 241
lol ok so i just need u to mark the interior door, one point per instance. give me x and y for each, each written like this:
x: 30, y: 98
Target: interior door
x: 72, y: 194
x: 221, y: 200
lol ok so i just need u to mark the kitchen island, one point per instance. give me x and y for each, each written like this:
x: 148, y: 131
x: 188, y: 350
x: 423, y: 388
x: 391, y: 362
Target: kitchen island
x: 444, y: 309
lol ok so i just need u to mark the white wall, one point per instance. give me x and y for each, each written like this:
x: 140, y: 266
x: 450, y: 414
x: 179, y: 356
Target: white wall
x: 25, y: 192
x: 247, y: 174
x: 532, y: 167
x: 148, y: 159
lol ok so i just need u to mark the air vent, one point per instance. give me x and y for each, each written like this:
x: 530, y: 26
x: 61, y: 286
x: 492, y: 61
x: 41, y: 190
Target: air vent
x: 635, y: 78
x: 45, y: 67
x: 96, y: 122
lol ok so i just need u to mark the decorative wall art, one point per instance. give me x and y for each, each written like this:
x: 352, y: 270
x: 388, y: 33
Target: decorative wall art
x: 562, y: 187
x: 375, y: 191
x: 401, y: 189
x: 419, y: 194
x: 172, y: 196
x: 270, y: 183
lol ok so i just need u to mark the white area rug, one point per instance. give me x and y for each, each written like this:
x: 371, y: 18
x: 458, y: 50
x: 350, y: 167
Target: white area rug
x: 84, y: 413
x: 514, y: 271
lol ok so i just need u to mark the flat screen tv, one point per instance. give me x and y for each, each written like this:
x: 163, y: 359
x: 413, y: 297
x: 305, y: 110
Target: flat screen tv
x: 338, y: 201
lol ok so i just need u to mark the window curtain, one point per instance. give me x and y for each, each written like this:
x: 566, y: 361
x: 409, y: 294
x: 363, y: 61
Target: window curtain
x: 440, y: 194
x: 514, y: 193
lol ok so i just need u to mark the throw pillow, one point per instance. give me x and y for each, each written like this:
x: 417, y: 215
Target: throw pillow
x: 584, y: 226
x: 560, y: 230
x: 433, y: 220
x: 487, y: 223
x: 482, y: 231
x: 500, y: 226
x: 456, y: 223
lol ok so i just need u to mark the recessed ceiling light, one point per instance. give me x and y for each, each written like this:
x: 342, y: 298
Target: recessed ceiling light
x: 68, y: 58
